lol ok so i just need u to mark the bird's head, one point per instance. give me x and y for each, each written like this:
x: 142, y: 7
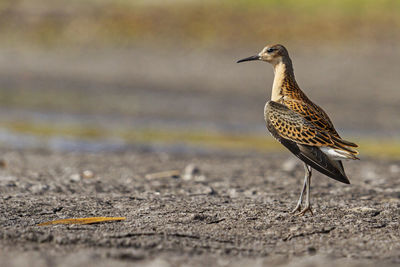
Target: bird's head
x: 273, y: 54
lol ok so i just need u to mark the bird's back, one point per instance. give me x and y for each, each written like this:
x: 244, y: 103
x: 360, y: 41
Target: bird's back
x: 295, y: 99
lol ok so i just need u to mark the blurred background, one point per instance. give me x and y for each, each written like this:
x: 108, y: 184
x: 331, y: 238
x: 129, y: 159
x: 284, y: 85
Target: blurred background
x: 161, y: 75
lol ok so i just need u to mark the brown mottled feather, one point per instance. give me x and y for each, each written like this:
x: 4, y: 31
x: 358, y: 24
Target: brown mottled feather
x: 312, y: 113
x: 294, y: 127
x: 297, y: 101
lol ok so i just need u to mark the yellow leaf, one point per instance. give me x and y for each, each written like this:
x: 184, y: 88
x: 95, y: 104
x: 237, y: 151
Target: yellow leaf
x: 83, y: 220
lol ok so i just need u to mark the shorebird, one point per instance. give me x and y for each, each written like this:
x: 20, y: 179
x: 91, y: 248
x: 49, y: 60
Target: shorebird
x: 302, y: 126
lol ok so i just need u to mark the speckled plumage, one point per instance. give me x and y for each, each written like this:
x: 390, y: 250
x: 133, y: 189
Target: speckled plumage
x: 306, y: 130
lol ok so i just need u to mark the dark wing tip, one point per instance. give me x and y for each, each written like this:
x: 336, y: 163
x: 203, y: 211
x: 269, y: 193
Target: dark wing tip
x: 345, y: 181
x: 334, y: 175
x: 314, y: 157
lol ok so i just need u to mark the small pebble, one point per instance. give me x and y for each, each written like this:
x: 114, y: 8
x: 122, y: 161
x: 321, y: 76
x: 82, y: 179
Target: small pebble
x: 190, y: 172
x: 75, y: 177
x: 290, y: 165
x: 232, y: 192
x: 87, y: 174
x: 250, y: 192
x: 3, y: 163
x: 39, y: 188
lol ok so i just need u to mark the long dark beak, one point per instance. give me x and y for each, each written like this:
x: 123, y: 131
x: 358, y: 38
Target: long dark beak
x: 256, y: 57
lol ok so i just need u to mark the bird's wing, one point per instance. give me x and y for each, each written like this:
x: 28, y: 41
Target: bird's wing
x: 292, y: 126
x: 312, y: 113
x: 278, y: 117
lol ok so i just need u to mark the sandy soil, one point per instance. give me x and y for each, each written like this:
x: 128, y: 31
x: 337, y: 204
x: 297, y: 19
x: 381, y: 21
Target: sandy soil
x: 224, y: 209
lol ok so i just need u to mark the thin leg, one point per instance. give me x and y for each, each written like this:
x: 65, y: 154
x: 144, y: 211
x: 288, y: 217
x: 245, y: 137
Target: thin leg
x: 308, y: 189
x: 298, y: 206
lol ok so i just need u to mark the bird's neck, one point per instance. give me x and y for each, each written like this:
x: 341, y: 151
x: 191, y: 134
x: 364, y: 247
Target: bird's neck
x: 285, y: 84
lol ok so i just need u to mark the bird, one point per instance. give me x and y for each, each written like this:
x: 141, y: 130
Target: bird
x: 301, y: 126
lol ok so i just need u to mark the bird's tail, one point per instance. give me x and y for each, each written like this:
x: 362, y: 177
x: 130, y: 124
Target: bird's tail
x: 345, y: 148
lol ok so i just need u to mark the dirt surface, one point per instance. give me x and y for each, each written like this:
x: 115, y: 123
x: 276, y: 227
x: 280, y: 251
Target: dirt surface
x: 224, y: 209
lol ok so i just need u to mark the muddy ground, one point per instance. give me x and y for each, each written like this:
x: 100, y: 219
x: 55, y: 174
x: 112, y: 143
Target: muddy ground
x: 224, y: 209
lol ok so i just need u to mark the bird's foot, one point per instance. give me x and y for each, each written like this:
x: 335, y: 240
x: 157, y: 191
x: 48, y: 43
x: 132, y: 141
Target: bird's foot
x: 303, y: 211
x: 297, y: 208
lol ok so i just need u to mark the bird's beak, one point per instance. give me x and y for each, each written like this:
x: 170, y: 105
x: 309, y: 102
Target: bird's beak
x: 256, y: 57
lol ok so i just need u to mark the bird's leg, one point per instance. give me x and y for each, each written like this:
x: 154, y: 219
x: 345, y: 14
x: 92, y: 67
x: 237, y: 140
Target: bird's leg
x: 308, y: 188
x: 298, y: 206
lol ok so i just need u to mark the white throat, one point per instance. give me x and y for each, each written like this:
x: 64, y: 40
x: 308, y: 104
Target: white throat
x: 279, y: 71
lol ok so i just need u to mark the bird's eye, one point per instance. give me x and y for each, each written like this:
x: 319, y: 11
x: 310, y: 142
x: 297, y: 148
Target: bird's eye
x: 270, y: 50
